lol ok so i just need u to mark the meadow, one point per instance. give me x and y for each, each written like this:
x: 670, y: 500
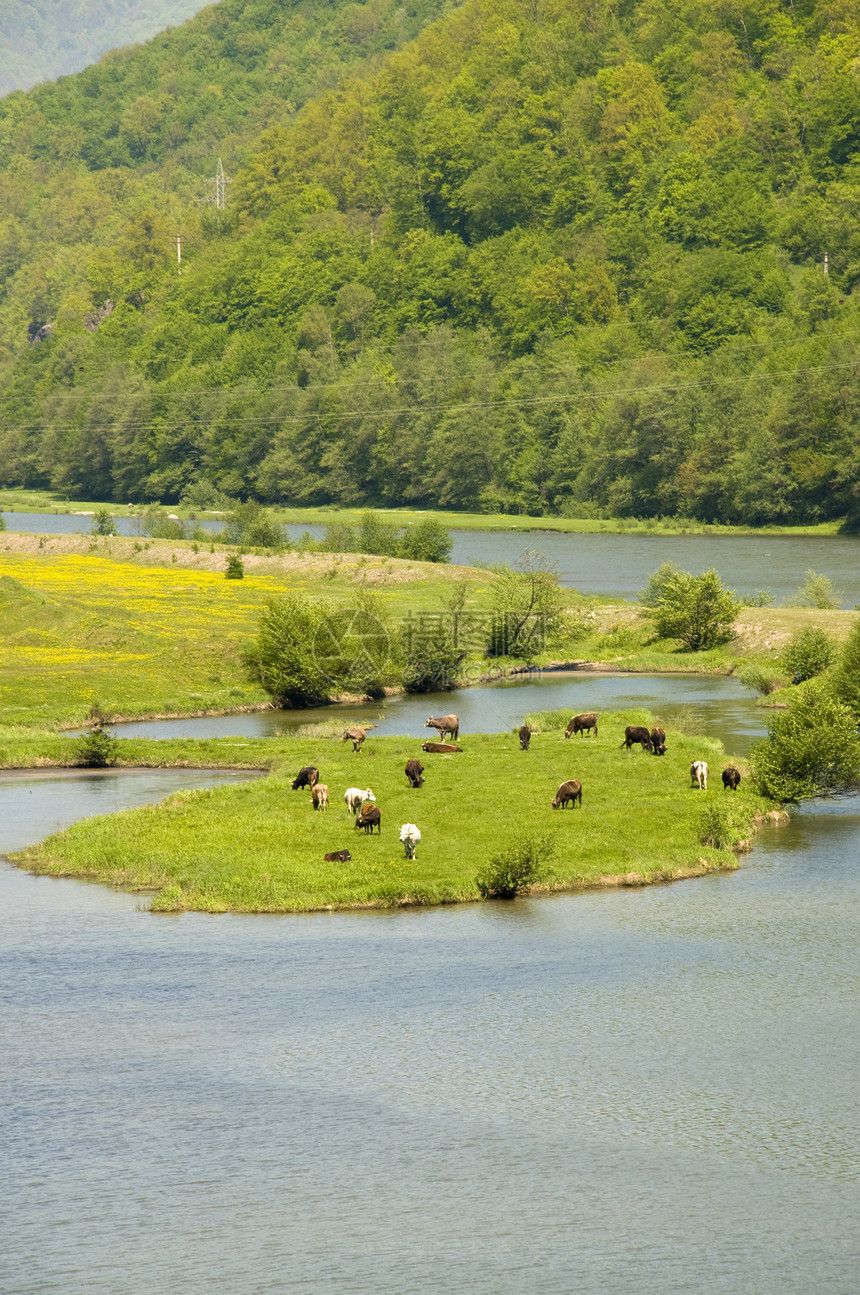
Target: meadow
x: 259, y: 846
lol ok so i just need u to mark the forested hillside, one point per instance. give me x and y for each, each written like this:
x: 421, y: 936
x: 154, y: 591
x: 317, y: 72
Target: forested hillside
x: 551, y: 256
x: 40, y: 39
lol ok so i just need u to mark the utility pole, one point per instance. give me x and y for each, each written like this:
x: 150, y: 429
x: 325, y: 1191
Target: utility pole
x: 178, y: 253
x: 825, y: 266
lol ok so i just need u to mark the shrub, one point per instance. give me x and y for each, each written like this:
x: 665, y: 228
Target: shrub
x: 252, y: 526
x: 432, y: 660
x: 697, y: 610
x: 809, y: 652
x: 2, y: 522
x: 812, y: 748
x: 205, y: 495
x: 103, y: 522
x: 427, y: 541
x: 96, y: 749
x: 846, y: 676
x: 657, y: 581
x: 235, y: 568
x: 760, y: 679
x: 722, y: 826
x: 817, y: 591
x: 514, y: 869
x: 527, y: 602
x: 283, y: 657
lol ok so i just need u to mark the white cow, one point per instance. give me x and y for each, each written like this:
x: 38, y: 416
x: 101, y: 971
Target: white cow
x: 699, y: 774
x: 354, y: 798
x: 410, y: 836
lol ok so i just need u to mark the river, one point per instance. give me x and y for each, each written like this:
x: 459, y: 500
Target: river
x: 625, y: 1092
x: 617, y: 565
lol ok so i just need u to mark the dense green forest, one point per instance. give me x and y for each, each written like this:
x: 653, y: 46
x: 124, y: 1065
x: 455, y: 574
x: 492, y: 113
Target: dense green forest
x: 40, y: 39
x: 547, y: 256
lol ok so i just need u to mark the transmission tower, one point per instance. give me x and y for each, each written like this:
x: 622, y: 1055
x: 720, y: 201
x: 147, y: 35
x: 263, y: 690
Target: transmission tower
x: 220, y: 187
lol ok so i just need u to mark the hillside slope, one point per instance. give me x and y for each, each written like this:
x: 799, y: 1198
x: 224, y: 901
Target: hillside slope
x: 551, y: 258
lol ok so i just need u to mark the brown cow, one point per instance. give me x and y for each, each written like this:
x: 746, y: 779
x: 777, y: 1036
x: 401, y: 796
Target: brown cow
x: 440, y: 748
x: 525, y: 737
x: 307, y: 776
x: 319, y: 795
x: 356, y: 736
x: 582, y: 723
x: 337, y: 856
x: 370, y: 814
x: 414, y: 770
x: 731, y: 778
x: 568, y: 793
x: 635, y: 733
x: 658, y: 741
x: 445, y: 724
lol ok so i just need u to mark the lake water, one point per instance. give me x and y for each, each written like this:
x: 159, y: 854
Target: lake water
x: 716, y: 706
x: 611, y: 1093
x: 616, y: 565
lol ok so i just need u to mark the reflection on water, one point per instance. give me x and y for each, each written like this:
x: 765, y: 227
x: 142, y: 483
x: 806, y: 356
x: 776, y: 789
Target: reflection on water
x: 624, y: 1092
x: 720, y: 707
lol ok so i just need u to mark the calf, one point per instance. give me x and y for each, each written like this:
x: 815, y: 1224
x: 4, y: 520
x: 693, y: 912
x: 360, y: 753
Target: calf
x: 414, y: 770
x: 525, y: 737
x: 306, y: 777
x: 445, y: 724
x: 354, y: 798
x: 370, y: 815
x: 444, y: 748
x: 356, y: 735
x: 410, y: 836
x: 731, y: 778
x: 582, y: 724
x: 658, y: 741
x: 568, y: 793
x: 319, y: 796
x: 337, y: 856
x: 633, y: 733
x: 699, y: 774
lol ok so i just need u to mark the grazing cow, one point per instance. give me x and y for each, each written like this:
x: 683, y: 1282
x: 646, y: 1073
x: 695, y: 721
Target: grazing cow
x: 319, y: 795
x: 699, y: 774
x: 306, y: 777
x: 440, y: 748
x: 525, y: 737
x: 582, y: 724
x: 658, y: 741
x: 354, y: 798
x: 410, y: 836
x: 337, y: 856
x: 568, y: 793
x: 356, y: 736
x: 731, y: 778
x: 370, y: 815
x: 445, y: 724
x: 634, y: 733
x: 414, y: 770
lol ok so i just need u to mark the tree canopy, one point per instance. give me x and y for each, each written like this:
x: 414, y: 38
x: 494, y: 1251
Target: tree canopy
x: 553, y: 258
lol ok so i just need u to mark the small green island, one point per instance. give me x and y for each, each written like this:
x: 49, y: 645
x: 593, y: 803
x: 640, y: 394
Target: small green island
x: 259, y: 846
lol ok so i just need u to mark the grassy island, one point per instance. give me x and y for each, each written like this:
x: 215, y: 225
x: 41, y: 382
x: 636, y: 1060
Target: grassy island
x: 259, y: 846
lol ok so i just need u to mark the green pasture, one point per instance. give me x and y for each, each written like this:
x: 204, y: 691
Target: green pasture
x: 259, y: 846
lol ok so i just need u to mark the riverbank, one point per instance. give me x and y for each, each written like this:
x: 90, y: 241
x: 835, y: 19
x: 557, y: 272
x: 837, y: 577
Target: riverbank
x: 51, y: 502
x: 258, y: 847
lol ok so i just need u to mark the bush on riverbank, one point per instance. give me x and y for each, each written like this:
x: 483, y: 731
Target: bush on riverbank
x: 259, y: 847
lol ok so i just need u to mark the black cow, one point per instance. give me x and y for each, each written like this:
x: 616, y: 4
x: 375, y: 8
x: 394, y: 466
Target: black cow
x: 731, y: 778
x: 635, y: 733
x: 306, y: 777
x: 525, y: 736
x: 658, y: 741
x: 337, y: 856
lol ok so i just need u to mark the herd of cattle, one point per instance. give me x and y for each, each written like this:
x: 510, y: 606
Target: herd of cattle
x: 361, y: 802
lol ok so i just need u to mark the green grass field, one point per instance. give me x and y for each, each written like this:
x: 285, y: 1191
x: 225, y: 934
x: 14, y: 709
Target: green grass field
x: 258, y: 847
